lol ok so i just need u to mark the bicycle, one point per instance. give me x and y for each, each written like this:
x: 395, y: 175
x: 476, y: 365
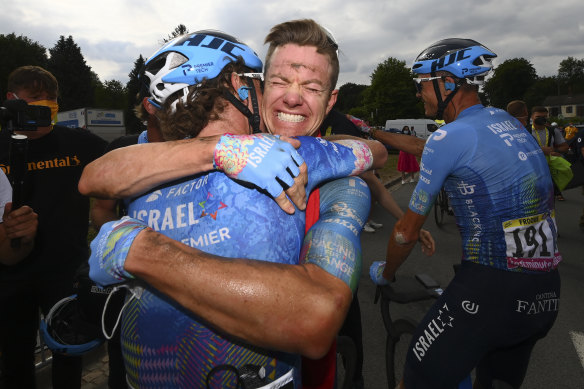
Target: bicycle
x: 401, y: 330
x: 346, y: 361
x: 441, y: 207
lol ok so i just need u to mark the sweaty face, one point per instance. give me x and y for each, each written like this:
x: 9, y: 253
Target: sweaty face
x: 297, y: 91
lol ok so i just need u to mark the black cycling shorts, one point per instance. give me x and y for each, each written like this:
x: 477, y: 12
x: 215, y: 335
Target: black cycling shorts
x: 487, y: 318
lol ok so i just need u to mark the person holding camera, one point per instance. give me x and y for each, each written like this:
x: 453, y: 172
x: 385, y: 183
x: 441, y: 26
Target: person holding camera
x: 55, y: 160
x: 20, y: 224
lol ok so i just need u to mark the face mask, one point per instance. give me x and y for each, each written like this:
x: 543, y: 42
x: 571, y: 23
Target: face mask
x: 540, y: 121
x: 52, y: 104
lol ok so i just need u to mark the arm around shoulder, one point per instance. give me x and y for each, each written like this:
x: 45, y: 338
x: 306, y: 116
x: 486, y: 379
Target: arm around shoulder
x: 409, y: 144
x: 135, y: 169
x: 271, y: 305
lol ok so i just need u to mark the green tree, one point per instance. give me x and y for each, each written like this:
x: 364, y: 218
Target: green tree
x: 542, y: 88
x: 73, y: 74
x: 510, y: 81
x: 350, y: 96
x: 181, y: 29
x: 136, y: 89
x: 391, y: 94
x: 111, y: 95
x: 571, y: 76
x: 16, y: 51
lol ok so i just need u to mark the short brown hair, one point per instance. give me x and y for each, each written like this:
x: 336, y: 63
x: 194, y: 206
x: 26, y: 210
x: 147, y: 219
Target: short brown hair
x: 304, y: 32
x: 539, y: 109
x: 517, y: 108
x: 34, y: 79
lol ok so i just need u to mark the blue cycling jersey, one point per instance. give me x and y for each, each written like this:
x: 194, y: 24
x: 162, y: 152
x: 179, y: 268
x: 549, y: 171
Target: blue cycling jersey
x: 499, y: 186
x: 166, y: 346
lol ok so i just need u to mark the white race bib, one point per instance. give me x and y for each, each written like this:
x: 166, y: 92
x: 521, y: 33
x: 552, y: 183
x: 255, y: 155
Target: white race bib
x: 531, y: 242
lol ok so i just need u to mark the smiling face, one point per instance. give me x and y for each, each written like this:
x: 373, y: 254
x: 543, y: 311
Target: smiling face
x: 297, y: 92
x: 426, y: 93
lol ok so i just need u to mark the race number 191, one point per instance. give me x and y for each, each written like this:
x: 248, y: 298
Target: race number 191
x: 530, y: 237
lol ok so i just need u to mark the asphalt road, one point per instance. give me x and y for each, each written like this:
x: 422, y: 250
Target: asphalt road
x: 557, y: 360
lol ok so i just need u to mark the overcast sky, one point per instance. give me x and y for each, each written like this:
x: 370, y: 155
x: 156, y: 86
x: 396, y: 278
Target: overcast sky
x: 113, y: 33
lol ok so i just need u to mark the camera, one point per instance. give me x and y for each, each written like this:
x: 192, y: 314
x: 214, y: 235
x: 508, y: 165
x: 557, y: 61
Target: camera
x: 17, y: 115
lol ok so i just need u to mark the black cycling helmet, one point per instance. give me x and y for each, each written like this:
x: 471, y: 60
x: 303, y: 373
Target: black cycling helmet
x: 466, y: 59
x: 73, y: 325
x: 65, y: 330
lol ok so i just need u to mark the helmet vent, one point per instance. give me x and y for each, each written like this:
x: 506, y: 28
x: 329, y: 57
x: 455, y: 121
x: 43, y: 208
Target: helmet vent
x: 176, y: 59
x: 155, y: 66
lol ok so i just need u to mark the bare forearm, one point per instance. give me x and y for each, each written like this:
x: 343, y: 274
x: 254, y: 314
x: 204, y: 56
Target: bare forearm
x: 132, y: 170
x: 282, y: 307
x: 409, y: 144
x: 403, y: 238
x: 397, y: 253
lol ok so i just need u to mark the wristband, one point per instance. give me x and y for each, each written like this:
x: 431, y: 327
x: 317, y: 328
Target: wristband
x: 110, y: 248
x: 376, y: 273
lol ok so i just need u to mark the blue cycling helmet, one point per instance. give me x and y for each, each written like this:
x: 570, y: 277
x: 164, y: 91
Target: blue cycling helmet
x: 66, y: 331
x: 189, y: 59
x: 463, y: 58
x: 466, y: 59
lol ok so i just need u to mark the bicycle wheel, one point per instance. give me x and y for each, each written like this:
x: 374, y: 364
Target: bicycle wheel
x: 346, y: 364
x: 396, y: 348
x: 440, y: 207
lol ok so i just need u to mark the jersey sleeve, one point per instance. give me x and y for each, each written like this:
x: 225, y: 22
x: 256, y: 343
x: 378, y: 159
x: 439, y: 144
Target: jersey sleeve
x: 439, y: 158
x: 333, y: 243
x: 330, y: 160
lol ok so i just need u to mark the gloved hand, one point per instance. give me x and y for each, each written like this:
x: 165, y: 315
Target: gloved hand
x: 261, y: 159
x: 109, y: 250
x: 376, y: 273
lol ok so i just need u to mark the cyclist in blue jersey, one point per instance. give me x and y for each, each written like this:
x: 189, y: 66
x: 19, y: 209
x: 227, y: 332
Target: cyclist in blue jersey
x: 268, y: 303
x: 506, y: 294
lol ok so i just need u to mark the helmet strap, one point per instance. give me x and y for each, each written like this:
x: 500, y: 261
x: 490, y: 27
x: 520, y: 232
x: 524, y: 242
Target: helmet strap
x: 442, y: 104
x: 254, y: 121
x: 252, y: 117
